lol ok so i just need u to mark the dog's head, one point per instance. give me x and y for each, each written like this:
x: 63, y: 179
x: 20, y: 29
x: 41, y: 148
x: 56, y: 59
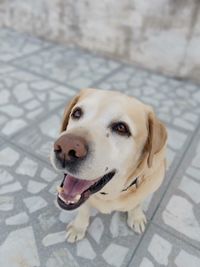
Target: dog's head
x: 104, y: 135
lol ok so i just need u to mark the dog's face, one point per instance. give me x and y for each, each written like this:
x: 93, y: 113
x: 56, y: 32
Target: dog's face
x: 103, y: 136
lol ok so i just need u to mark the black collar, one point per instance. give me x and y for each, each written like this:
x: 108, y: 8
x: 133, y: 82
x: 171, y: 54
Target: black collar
x: 133, y: 183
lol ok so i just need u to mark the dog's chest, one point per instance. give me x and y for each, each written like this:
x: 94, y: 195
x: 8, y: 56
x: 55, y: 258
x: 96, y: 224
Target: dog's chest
x: 105, y: 205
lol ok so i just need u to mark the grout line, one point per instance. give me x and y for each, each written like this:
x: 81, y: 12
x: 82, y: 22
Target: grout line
x: 138, y: 245
x: 24, y: 151
x: 39, y: 50
x: 41, y: 76
x: 106, y: 76
x: 175, y: 235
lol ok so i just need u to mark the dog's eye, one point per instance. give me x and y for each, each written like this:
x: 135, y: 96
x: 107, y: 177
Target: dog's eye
x: 121, y: 128
x: 77, y: 113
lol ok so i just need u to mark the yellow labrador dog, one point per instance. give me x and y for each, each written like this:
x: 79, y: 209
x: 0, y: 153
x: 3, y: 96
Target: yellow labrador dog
x: 111, y: 151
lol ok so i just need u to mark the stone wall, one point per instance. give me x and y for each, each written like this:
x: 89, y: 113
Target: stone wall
x: 161, y: 35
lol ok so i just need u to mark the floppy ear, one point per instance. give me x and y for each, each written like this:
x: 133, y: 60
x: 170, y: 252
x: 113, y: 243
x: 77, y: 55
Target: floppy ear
x: 67, y: 112
x: 157, y: 137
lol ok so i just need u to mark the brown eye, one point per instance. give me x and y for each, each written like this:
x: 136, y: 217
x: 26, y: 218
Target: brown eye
x: 77, y: 113
x: 121, y: 128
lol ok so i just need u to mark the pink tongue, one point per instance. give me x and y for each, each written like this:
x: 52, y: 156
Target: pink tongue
x: 73, y: 187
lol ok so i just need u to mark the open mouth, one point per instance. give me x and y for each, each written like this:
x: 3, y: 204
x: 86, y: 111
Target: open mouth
x: 73, y: 191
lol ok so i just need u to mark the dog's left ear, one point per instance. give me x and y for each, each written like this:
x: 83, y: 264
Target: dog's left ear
x: 157, y: 137
x: 67, y: 112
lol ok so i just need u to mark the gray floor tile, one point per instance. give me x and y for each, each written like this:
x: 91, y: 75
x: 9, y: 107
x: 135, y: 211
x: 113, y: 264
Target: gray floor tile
x: 179, y: 211
x: 159, y: 248
x: 69, y: 65
x: 25, y: 97
x: 40, y: 137
x: 30, y: 216
x: 14, y: 45
x: 176, y: 102
x: 1, y: 141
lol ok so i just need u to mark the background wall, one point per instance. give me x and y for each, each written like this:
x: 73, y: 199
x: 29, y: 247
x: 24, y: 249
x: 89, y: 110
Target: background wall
x: 162, y: 35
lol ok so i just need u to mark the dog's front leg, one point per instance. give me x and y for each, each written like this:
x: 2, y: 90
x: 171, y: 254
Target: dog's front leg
x: 77, y: 228
x: 137, y: 219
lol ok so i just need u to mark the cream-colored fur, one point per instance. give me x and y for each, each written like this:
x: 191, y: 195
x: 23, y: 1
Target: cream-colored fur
x: 141, y: 155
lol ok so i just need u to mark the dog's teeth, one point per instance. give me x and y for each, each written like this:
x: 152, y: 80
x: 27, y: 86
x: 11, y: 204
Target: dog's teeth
x: 77, y: 197
x: 59, y: 189
x: 75, y: 200
x: 70, y: 202
x: 62, y: 198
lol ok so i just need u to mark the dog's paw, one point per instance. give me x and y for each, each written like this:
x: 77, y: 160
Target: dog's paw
x: 74, y: 234
x: 137, y: 221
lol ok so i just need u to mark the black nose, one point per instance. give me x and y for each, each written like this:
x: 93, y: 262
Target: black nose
x: 70, y: 148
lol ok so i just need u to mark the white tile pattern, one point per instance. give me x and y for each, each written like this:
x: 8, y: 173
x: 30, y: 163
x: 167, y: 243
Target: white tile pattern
x: 24, y: 98
x: 69, y: 66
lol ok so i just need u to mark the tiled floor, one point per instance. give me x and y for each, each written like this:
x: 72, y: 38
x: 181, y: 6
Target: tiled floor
x: 36, y: 80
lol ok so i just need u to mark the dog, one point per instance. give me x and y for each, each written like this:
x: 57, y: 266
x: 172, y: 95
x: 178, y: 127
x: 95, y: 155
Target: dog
x: 111, y: 151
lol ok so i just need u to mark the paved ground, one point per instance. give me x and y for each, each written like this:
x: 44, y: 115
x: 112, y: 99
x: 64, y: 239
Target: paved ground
x: 36, y: 80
